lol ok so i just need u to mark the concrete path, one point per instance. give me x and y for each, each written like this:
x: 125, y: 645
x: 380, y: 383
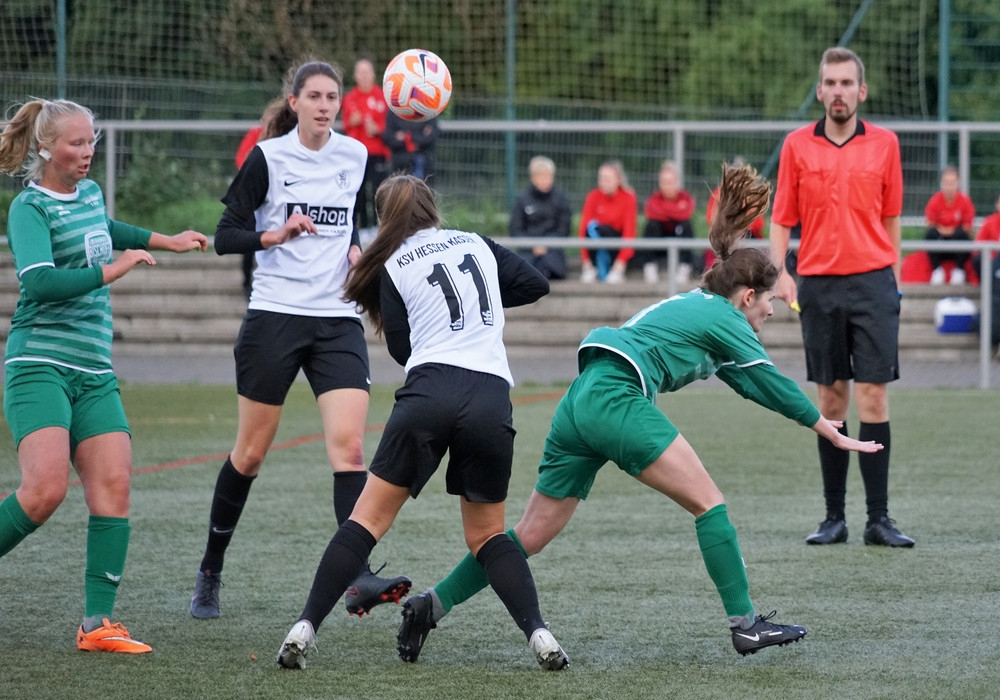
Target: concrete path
x: 529, y: 365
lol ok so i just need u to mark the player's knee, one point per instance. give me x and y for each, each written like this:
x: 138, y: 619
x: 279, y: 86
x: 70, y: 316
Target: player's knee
x: 41, y: 500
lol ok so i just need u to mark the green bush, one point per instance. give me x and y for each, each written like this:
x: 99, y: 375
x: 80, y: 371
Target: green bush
x: 200, y: 213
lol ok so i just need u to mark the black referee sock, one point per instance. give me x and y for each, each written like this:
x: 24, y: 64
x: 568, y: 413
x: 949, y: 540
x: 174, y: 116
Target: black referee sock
x: 231, y: 492
x: 509, y: 575
x: 875, y: 470
x: 345, y: 557
x: 834, y: 463
x: 347, y: 487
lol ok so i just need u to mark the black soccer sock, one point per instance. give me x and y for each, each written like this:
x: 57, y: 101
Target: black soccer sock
x: 833, y: 463
x: 875, y: 470
x: 347, y: 487
x: 345, y: 557
x: 509, y: 575
x: 231, y: 492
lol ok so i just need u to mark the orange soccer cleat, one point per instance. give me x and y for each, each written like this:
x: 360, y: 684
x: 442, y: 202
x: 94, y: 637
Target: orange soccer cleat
x: 110, y: 637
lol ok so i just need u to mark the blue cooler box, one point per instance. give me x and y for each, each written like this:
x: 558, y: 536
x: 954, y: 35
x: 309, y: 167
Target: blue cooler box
x: 954, y: 315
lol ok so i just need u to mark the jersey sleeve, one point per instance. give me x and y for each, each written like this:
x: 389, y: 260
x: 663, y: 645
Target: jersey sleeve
x: 236, y: 230
x: 751, y: 374
x: 763, y: 384
x: 520, y: 282
x: 395, y: 320
x: 892, y: 197
x: 125, y: 236
x: 31, y: 244
x: 785, y: 211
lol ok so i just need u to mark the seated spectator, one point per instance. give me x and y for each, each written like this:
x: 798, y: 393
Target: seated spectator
x: 542, y: 210
x: 668, y: 215
x: 609, y: 211
x: 989, y: 231
x: 411, y: 145
x: 949, y: 216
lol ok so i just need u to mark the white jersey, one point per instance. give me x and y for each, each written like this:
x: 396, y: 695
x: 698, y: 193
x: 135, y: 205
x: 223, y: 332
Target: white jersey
x: 449, y: 284
x: 305, y: 275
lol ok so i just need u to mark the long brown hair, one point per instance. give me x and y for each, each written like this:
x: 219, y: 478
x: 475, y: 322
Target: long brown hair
x: 743, y: 196
x: 404, y: 204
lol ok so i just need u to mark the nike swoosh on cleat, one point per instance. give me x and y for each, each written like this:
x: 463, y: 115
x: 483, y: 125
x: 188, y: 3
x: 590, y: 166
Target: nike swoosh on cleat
x: 754, y: 638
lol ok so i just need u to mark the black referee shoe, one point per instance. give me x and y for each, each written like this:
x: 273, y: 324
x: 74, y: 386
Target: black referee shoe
x: 883, y: 532
x: 830, y: 531
x: 765, y: 634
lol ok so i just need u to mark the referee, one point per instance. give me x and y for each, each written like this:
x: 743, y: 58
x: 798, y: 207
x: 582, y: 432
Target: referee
x: 842, y: 178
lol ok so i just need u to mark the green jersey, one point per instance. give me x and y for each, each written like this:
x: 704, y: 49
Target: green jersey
x: 694, y: 336
x: 60, y: 243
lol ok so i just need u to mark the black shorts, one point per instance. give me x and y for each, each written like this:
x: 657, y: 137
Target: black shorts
x: 272, y: 347
x: 441, y: 409
x: 850, y: 327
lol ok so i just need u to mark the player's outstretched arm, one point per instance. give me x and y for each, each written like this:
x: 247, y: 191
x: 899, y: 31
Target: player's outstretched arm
x: 181, y: 243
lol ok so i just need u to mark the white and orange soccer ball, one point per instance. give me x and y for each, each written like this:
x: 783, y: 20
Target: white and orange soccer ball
x: 417, y: 85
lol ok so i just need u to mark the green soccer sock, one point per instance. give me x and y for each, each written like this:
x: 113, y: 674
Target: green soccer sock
x: 107, y: 546
x: 721, y: 553
x: 15, y: 524
x: 466, y: 579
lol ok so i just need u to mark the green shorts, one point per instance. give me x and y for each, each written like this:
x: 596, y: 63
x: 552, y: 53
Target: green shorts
x: 603, y: 417
x: 41, y: 395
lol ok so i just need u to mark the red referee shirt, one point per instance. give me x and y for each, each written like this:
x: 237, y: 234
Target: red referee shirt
x: 840, y: 194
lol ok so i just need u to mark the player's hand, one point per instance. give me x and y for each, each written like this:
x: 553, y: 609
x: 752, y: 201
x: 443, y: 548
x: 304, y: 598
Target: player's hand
x: 189, y: 240
x: 296, y: 225
x: 786, y: 289
x: 353, y: 255
x: 830, y: 429
x: 125, y: 262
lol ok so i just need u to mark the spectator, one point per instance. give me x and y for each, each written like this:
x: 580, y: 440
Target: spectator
x: 949, y: 216
x: 411, y: 145
x: 542, y: 210
x: 847, y: 287
x: 989, y: 231
x: 609, y: 211
x: 668, y: 215
x: 364, y: 116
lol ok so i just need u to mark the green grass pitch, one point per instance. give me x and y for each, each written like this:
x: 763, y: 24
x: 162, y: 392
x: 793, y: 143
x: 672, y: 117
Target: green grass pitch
x: 623, y: 589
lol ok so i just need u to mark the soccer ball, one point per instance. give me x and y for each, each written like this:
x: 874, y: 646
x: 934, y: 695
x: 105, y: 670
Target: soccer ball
x: 417, y: 85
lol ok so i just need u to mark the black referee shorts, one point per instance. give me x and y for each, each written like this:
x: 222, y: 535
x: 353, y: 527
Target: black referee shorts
x: 441, y: 409
x: 272, y: 347
x: 850, y: 327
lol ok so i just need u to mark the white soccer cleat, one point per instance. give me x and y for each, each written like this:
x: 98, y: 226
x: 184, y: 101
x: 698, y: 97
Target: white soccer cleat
x: 296, y: 645
x: 957, y: 276
x: 937, y: 277
x: 550, y: 655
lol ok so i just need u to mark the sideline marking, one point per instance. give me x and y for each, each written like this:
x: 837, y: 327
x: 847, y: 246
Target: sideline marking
x: 294, y: 442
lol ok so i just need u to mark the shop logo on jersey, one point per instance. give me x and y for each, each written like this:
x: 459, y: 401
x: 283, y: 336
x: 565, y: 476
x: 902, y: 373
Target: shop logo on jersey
x: 322, y: 216
x: 98, y: 248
